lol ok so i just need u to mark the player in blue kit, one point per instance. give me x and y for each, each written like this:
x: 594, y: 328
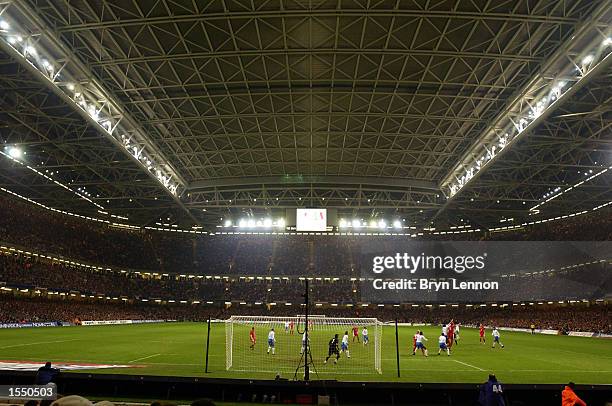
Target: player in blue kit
x: 345, y: 344
x: 495, y: 335
x: 443, y: 346
x: 420, y: 343
x: 271, y: 341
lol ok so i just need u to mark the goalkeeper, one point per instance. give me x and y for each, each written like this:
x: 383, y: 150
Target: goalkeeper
x: 333, y: 349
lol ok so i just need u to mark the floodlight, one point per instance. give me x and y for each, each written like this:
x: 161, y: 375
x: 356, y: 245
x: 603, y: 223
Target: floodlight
x: 15, y: 152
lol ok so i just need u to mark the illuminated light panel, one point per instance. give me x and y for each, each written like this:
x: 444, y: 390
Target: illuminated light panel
x: 509, y: 128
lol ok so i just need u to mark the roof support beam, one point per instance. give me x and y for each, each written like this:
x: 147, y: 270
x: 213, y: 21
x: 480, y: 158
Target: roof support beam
x: 586, y: 54
x: 32, y: 44
x: 397, y: 183
x: 335, y: 13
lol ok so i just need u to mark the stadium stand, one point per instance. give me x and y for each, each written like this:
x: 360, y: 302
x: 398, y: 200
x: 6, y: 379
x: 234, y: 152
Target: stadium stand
x: 39, y: 229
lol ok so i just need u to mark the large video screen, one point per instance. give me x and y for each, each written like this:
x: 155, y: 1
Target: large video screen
x: 311, y: 220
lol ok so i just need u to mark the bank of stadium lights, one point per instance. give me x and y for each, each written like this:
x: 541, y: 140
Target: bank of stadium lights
x: 79, y: 93
x: 534, y: 110
x: 380, y: 224
x: 251, y: 223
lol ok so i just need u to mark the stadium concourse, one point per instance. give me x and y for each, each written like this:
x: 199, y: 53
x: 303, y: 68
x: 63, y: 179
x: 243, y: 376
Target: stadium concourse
x: 176, y: 172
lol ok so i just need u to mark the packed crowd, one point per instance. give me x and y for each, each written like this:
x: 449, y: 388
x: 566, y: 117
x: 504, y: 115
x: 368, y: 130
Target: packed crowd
x: 592, y: 281
x: 38, y: 229
x: 575, y: 317
x: 262, y: 269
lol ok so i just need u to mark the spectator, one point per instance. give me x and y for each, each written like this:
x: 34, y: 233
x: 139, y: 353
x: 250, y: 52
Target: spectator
x: 72, y: 400
x: 569, y: 398
x: 491, y: 393
x: 46, y: 374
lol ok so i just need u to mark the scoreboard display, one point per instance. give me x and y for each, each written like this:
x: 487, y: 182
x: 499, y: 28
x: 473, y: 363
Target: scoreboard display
x: 311, y: 220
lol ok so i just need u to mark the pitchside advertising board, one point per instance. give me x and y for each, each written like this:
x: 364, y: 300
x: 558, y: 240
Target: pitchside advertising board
x: 484, y: 271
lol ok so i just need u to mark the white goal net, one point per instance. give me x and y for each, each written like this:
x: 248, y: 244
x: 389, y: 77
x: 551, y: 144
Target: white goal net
x: 284, y: 354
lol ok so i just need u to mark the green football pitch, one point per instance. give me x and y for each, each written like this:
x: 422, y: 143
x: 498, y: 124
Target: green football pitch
x: 178, y: 349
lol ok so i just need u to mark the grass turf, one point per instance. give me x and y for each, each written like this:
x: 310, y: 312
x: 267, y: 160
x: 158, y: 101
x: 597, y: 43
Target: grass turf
x: 178, y: 349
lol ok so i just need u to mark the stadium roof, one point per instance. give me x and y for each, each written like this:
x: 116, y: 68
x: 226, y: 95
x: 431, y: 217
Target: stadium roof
x: 197, y: 111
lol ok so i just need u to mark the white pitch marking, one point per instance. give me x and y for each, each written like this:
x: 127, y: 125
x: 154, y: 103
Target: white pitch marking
x: 469, y: 365
x: 38, y: 343
x: 140, y: 359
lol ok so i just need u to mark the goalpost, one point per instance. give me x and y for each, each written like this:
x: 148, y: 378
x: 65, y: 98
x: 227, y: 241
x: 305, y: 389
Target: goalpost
x: 241, y: 357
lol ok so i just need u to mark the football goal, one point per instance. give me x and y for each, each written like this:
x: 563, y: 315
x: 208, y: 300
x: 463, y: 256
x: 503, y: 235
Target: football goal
x: 283, y: 354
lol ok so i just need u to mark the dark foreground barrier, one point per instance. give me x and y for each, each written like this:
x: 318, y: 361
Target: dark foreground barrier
x: 340, y: 393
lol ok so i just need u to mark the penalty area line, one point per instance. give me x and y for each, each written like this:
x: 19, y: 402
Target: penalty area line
x: 468, y: 365
x: 38, y: 343
x: 143, y: 358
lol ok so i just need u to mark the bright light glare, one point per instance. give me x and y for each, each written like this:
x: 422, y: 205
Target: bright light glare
x: 4, y: 25
x: 397, y: 224
x: 15, y: 152
x: 228, y: 223
x: 281, y: 223
x: 382, y: 224
x: 607, y: 41
x: 242, y: 223
x: 373, y: 223
x: 587, y: 59
x: 267, y: 223
x: 342, y: 223
x: 356, y: 223
x: 251, y: 223
x: 30, y: 50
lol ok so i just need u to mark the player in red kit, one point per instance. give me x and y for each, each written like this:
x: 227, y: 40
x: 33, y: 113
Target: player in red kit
x: 355, y: 333
x: 252, y: 337
x: 482, y: 333
x: 414, y: 341
x: 291, y: 326
x: 451, y: 334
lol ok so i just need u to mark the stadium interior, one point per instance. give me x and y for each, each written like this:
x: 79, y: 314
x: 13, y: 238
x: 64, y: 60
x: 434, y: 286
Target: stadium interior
x: 177, y: 175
